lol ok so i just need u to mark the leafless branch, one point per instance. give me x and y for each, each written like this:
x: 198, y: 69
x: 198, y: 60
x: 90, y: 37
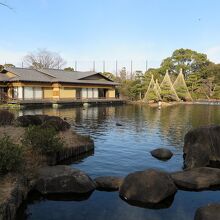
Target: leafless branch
x: 44, y: 59
x: 5, y: 5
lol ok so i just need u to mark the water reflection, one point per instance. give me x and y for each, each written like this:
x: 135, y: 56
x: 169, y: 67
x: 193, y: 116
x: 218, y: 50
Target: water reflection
x: 162, y: 205
x: 77, y: 159
x: 109, y: 206
x: 120, y: 150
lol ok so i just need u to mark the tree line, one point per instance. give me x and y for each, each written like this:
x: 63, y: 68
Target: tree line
x: 202, y: 76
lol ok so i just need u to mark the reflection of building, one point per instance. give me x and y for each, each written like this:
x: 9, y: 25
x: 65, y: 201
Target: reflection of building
x: 31, y: 85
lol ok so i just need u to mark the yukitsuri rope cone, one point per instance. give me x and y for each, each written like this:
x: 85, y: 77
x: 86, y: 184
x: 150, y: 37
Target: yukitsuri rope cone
x: 168, y: 93
x: 181, y: 87
x: 152, y: 93
x: 157, y: 86
x: 216, y: 92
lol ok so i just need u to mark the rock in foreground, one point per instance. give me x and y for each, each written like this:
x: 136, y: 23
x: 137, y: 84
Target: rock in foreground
x: 147, y: 187
x: 197, y: 178
x: 202, y: 147
x: 13, y: 191
x: 209, y: 212
x: 63, y: 179
x: 108, y: 183
x: 162, y: 153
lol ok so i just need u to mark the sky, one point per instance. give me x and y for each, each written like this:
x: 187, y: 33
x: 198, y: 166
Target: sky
x: 87, y: 30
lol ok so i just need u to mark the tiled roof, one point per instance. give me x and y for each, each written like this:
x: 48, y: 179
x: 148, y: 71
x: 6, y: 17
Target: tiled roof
x: 3, y: 78
x: 52, y: 75
x: 22, y: 74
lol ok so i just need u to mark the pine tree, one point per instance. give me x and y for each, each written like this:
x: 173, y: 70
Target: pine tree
x: 158, y: 86
x: 152, y: 93
x: 216, y: 92
x: 168, y: 93
x: 181, y: 88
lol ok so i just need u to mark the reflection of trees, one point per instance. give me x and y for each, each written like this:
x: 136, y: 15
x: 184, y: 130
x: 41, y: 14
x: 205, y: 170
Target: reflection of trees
x: 175, y: 121
x: 173, y: 124
x: 170, y: 123
x: 132, y: 116
x: 93, y: 119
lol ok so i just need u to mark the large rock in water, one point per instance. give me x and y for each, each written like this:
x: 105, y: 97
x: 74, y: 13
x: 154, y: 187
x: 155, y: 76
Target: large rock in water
x: 209, y: 212
x: 147, y: 187
x: 197, y: 178
x: 162, y: 153
x: 108, y: 183
x: 63, y: 179
x: 202, y: 147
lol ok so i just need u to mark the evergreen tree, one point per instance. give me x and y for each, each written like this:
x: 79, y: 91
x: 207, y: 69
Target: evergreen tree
x: 152, y: 93
x: 158, y: 86
x: 216, y: 92
x: 181, y: 88
x: 168, y: 92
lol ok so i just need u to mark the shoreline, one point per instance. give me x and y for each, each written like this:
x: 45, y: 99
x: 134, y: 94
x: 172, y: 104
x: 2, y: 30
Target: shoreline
x: 15, y: 186
x: 166, y: 104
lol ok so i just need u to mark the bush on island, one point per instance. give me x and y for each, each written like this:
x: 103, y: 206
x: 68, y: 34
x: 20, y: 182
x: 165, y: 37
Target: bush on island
x: 11, y: 155
x: 43, y: 140
x: 6, y: 117
x: 45, y: 121
x: 57, y: 123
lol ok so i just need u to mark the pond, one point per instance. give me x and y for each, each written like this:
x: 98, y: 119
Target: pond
x: 120, y: 150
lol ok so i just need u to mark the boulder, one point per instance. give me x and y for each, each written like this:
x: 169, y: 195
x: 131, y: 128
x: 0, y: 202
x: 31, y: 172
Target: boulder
x: 63, y: 179
x: 197, y: 178
x: 147, y: 187
x: 162, y: 154
x: 14, y: 191
x: 108, y: 183
x: 45, y: 121
x: 202, y: 147
x: 209, y: 212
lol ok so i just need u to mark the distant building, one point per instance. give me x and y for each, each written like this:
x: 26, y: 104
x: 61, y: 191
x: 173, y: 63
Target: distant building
x: 24, y: 84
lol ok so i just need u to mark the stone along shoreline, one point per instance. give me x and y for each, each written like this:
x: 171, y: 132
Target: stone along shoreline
x: 148, y: 188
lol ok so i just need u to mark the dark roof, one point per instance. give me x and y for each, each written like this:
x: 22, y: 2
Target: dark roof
x: 22, y: 74
x: 52, y: 75
x: 3, y: 78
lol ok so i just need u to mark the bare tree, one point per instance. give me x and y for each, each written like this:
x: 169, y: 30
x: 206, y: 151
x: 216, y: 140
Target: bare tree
x: 5, y: 5
x: 43, y: 58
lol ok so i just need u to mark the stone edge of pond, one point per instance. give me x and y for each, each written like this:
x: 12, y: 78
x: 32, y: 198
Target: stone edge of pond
x: 70, y: 152
x: 19, y: 191
x: 17, y: 194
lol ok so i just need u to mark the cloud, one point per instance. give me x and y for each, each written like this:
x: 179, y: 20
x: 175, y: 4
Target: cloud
x: 213, y: 54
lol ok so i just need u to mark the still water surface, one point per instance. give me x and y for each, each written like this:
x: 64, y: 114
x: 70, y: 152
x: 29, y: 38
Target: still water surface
x: 120, y: 150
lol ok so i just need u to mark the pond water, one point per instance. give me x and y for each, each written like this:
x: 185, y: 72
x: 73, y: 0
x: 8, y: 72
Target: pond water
x: 120, y: 150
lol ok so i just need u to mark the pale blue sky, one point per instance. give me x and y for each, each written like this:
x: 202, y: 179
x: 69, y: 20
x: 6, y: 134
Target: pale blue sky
x: 109, y: 29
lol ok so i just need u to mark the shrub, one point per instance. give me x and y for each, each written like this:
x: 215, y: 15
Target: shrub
x: 28, y: 120
x: 6, y: 117
x: 43, y: 140
x: 56, y: 123
x: 11, y: 155
x: 44, y: 120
